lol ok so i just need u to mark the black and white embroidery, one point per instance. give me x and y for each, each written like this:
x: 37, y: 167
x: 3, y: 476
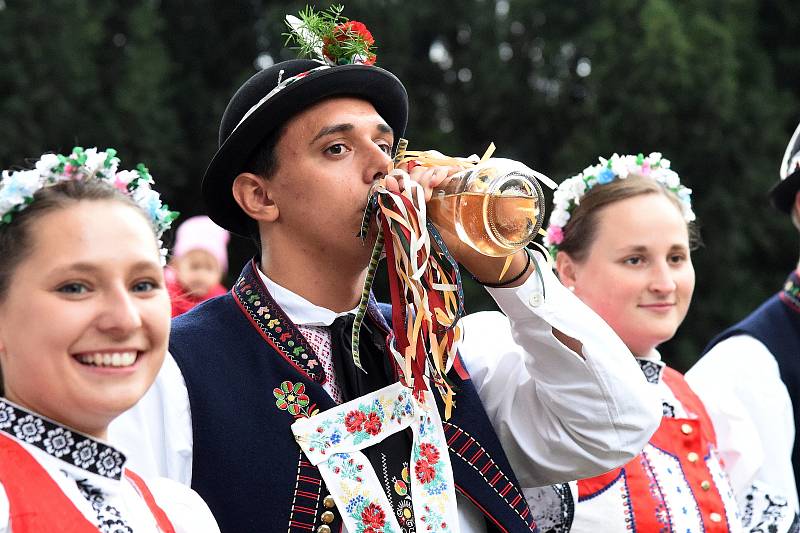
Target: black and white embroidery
x: 29, y: 429
x: 57, y: 441
x: 766, y: 512
x: 7, y: 416
x: 667, y: 410
x: 109, y: 519
x: 552, y: 506
x: 651, y: 369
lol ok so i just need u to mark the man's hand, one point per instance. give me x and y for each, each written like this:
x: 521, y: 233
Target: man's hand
x: 483, y: 267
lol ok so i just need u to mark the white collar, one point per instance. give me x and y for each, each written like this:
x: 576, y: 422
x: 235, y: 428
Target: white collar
x: 653, y: 356
x: 299, y: 310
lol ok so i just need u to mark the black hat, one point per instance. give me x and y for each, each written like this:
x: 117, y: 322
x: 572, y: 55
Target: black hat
x: 783, y: 194
x: 270, y: 98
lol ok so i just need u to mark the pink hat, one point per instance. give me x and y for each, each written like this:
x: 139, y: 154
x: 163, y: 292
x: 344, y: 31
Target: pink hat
x: 200, y: 233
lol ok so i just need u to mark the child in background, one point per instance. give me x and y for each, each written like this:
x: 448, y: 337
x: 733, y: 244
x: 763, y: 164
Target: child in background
x: 199, y: 261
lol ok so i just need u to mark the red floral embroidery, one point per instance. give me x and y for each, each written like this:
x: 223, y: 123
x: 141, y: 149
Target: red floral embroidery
x: 373, y: 517
x: 373, y: 424
x: 354, y: 421
x: 429, y: 452
x: 424, y: 471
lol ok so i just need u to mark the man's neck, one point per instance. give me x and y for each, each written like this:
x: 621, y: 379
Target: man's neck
x: 328, y: 284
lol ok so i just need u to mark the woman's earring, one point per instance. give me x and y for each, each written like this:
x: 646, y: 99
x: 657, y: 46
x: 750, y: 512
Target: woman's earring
x: 571, y: 288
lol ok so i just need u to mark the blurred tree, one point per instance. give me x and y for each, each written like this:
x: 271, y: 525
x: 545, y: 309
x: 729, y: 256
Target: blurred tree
x: 713, y: 84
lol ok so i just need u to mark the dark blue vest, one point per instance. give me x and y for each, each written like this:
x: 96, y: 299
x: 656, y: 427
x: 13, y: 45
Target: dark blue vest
x: 776, y: 324
x: 234, y: 352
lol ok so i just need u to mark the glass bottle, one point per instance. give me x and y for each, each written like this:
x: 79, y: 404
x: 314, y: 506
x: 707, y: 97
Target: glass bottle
x: 496, y: 207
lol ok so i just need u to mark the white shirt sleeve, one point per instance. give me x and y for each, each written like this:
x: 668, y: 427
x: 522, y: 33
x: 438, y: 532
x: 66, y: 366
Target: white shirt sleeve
x: 185, y: 508
x: 156, y: 433
x: 559, y: 416
x: 739, y: 382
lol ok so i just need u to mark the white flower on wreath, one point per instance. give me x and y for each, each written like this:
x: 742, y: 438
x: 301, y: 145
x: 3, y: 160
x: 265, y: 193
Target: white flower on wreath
x: 17, y: 188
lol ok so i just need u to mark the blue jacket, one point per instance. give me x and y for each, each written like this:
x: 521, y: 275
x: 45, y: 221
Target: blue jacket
x: 233, y: 352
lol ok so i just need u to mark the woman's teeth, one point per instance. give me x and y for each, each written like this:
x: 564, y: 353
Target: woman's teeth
x: 108, y: 359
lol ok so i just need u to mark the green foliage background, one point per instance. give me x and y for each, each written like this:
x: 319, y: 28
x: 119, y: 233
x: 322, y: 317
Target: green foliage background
x: 713, y: 84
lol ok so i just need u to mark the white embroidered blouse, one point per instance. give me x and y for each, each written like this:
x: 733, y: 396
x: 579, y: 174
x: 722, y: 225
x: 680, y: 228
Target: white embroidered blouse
x: 90, y: 473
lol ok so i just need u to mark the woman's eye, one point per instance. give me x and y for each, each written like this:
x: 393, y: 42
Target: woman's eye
x: 633, y: 260
x: 144, y: 286
x: 387, y: 148
x: 678, y: 258
x: 73, y: 288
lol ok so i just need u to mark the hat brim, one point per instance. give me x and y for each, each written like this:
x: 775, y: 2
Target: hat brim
x: 379, y: 87
x: 784, y: 193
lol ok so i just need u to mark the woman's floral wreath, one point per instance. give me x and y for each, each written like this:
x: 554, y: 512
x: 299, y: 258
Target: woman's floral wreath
x: 569, y: 193
x: 329, y: 37
x: 17, y: 188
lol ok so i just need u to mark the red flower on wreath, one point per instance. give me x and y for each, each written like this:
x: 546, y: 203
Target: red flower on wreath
x: 373, y: 517
x: 349, y: 31
x: 354, y: 421
x: 373, y: 424
x: 429, y: 452
x: 424, y: 471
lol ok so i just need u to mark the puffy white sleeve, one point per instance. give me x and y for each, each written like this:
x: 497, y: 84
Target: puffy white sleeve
x: 739, y: 382
x: 559, y: 415
x: 156, y: 433
x: 185, y: 508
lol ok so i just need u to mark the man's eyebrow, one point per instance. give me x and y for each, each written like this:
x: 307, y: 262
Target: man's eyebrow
x: 328, y: 130
x: 339, y: 128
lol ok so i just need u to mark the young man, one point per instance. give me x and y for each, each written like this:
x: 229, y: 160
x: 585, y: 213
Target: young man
x: 300, y: 146
x: 750, y: 376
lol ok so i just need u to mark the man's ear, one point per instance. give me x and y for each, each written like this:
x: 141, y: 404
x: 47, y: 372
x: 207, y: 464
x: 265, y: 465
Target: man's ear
x: 252, y: 193
x: 566, y: 269
x: 796, y: 206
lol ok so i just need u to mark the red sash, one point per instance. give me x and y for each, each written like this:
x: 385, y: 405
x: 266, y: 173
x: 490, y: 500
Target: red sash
x: 680, y: 437
x: 36, y: 502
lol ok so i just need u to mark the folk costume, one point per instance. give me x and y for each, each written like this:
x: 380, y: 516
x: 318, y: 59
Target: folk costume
x: 264, y: 409
x: 750, y: 377
x: 677, y: 483
x: 53, y: 478
x: 557, y: 415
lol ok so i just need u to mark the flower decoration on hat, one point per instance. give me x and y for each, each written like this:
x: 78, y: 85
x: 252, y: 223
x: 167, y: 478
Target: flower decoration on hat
x: 17, y: 189
x: 329, y: 37
x: 568, y: 195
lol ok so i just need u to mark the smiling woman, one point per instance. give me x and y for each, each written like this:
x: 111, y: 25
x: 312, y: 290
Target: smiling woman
x: 622, y: 233
x: 84, y: 322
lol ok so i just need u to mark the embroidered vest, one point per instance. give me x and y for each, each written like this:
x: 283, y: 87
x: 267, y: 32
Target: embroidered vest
x: 776, y: 324
x: 37, y: 504
x: 250, y: 374
x: 654, y: 485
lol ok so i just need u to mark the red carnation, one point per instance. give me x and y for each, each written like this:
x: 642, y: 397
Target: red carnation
x: 373, y: 424
x: 373, y: 517
x: 343, y: 31
x: 424, y: 471
x: 354, y: 421
x: 346, y: 31
x: 429, y: 452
